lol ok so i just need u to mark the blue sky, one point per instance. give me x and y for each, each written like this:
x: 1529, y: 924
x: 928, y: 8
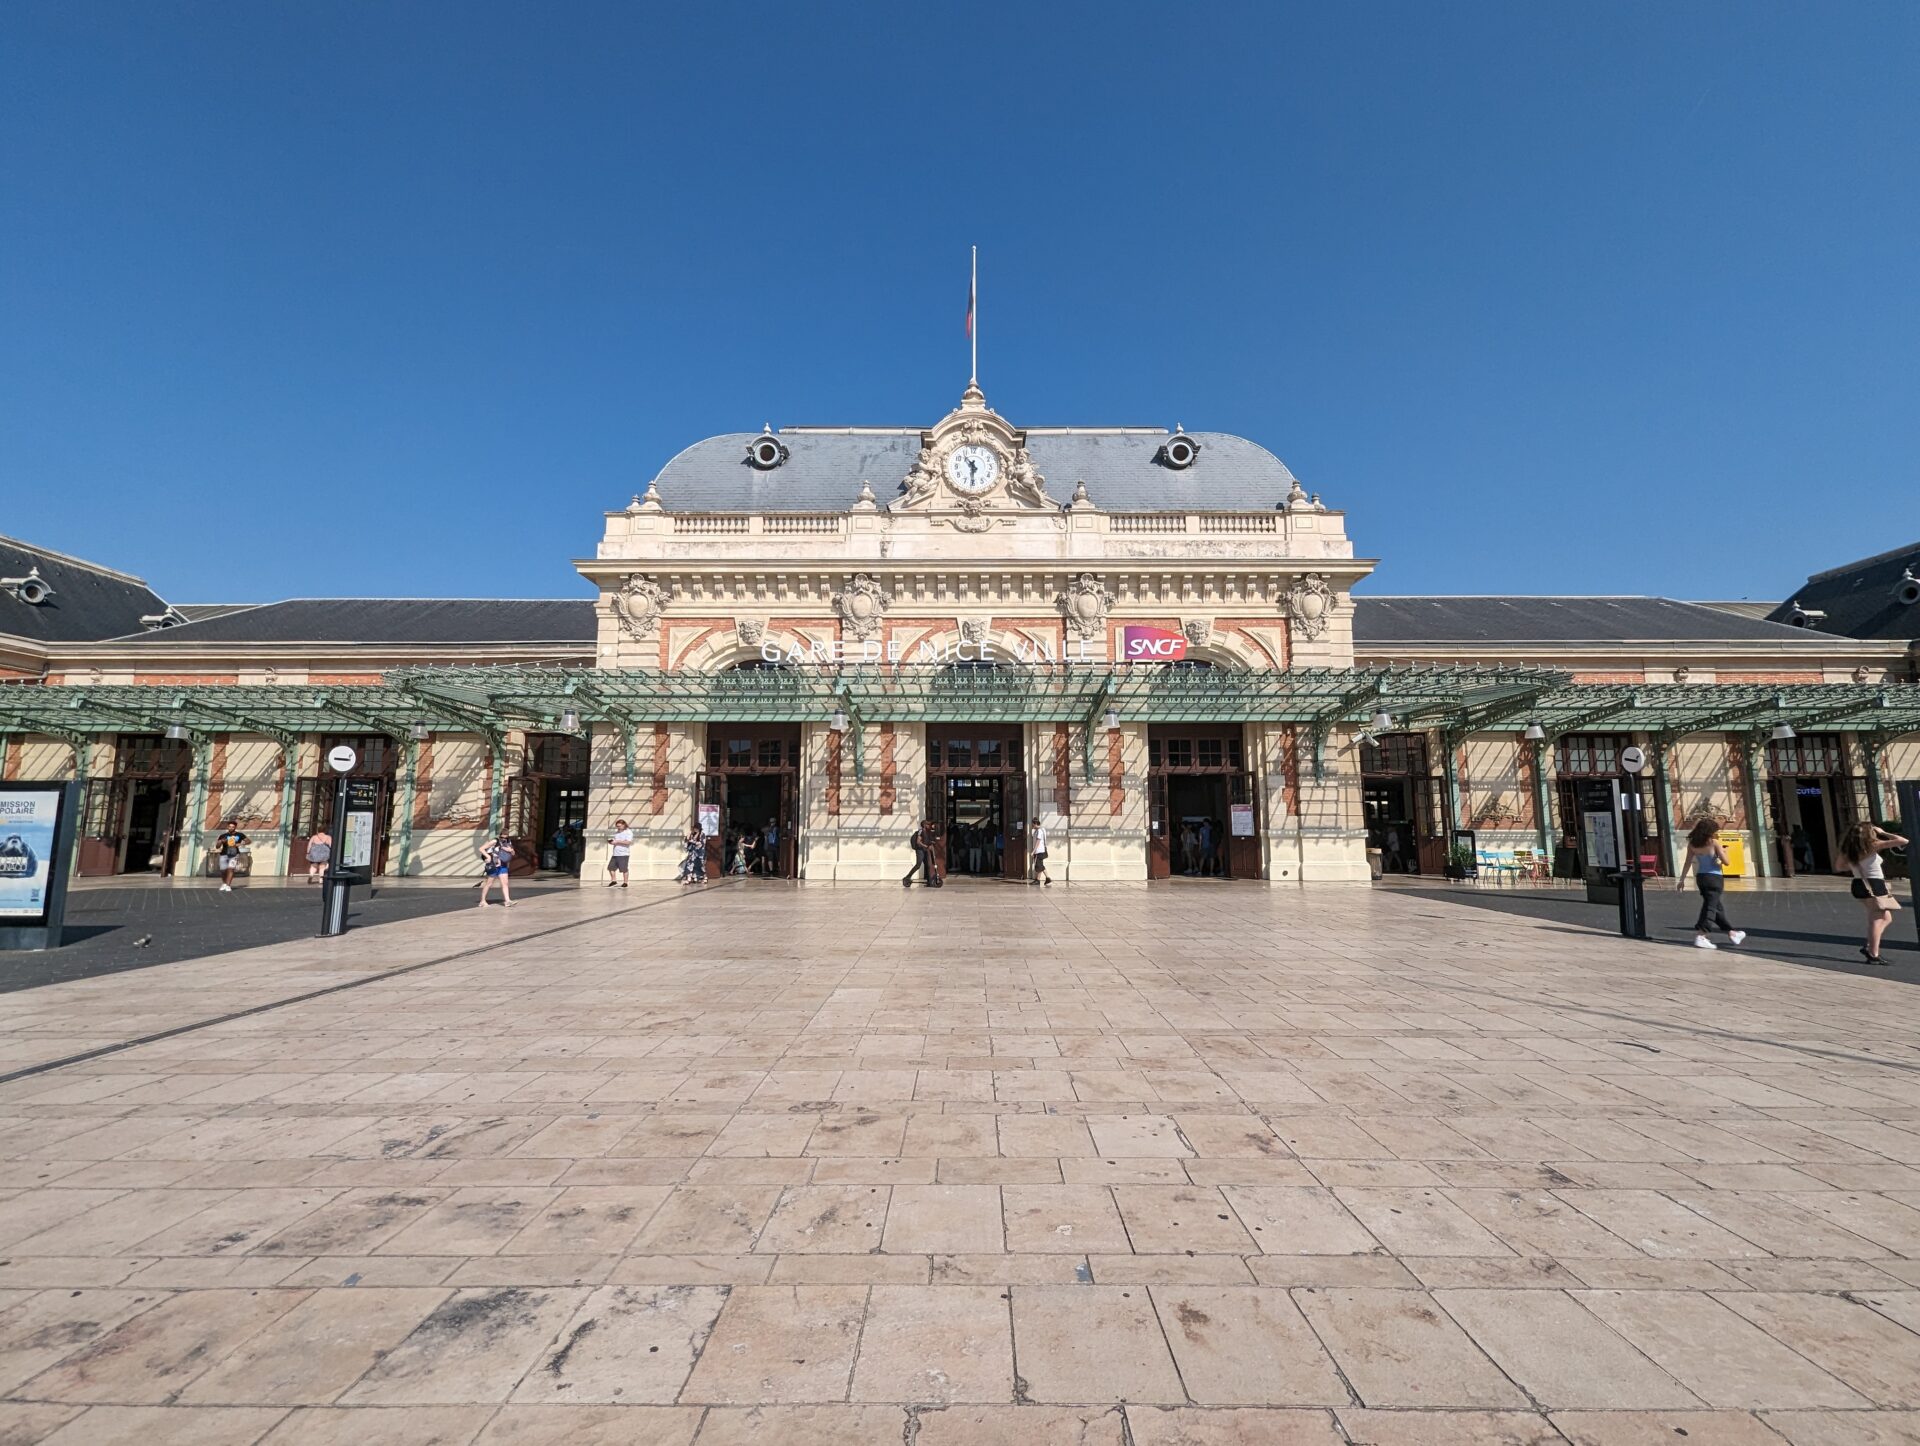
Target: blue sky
x: 307, y: 299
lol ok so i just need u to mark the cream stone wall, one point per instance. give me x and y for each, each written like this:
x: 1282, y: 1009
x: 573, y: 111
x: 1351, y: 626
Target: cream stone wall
x: 42, y: 760
x: 1332, y: 829
x: 451, y: 798
x: 247, y: 789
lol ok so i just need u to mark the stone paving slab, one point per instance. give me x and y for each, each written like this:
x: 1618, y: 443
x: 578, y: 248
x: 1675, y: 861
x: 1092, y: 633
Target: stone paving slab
x: 1103, y: 1165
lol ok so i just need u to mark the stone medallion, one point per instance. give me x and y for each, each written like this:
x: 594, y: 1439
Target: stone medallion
x: 862, y: 603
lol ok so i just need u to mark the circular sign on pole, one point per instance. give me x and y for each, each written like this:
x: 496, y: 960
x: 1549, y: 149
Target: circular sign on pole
x: 1633, y: 758
x: 342, y: 758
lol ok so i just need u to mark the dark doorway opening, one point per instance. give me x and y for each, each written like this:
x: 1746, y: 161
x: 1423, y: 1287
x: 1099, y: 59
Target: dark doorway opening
x: 1202, y: 821
x: 1398, y: 801
x: 150, y: 826
x: 977, y: 799
x: 754, y: 824
x: 563, y: 812
x: 752, y: 784
x: 976, y: 826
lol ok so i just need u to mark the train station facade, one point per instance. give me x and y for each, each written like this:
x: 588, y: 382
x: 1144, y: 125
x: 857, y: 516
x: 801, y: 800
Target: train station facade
x: 1159, y: 645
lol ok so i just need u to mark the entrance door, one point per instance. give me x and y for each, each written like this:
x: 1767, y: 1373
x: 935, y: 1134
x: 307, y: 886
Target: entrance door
x: 710, y: 797
x: 1013, y: 818
x: 149, y: 819
x: 755, y: 804
x: 1159, y: 836
x: 1803, y: 812
x: 1197, y: 821
x: 103, y: 817
x: 563, y: 824
x: 1196, y: 774
x: 977, y: 799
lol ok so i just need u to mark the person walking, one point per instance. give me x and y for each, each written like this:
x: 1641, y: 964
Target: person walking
x: 1707, y: 857
x: 229, y: 848
x: 496, y: 857
x: 1861, y: 846
x: 1040, y: 875
x: 620, y: 851
x: 693, y: 867
x: 922, y: 856
x: 770, y: 849
x: 319, y: 852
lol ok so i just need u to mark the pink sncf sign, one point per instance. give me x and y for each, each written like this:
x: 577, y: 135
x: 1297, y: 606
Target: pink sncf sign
x: 1140, y: 644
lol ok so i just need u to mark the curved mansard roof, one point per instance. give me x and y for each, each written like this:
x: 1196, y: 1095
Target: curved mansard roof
x: 1122, y: 468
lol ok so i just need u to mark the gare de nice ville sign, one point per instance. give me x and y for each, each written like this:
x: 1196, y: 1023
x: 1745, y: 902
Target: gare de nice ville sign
x: 1138, y: 644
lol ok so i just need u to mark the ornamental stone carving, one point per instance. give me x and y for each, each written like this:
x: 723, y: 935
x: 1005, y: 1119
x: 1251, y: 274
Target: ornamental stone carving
x: 1309, y: 602
x: 974, y: 630
x: 862, y: 603
x: 638, y: 605
x: 1024, y: 484
x: 1197, y: 631
x: 1085, y: 606
x: 752, y: 632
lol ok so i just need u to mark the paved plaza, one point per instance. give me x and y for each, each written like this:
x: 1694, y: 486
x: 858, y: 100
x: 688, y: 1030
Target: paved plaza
x: 1096, y: 1164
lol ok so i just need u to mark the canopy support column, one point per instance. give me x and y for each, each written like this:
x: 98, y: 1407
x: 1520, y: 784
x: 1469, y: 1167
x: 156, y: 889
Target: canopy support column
x: 1663, y: 803
x: 1876, y: 784
x: 497, y: 783
x: 197, y: 808
x: 1450, y: 774
x: 408, y: 787
x: 289, y: 762
x: 1756, y: 807
x: 1542, y: 816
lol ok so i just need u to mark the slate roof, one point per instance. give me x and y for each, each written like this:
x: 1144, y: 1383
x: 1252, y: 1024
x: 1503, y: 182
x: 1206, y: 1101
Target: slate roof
x: 1379, y: 621
x: 88, y: 602
x: 824, y: 471
x: 1858, y: 599
x: 390, y: 621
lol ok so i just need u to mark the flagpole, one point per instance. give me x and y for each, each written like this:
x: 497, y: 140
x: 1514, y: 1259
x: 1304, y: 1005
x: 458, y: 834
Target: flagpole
x: 974, y: 379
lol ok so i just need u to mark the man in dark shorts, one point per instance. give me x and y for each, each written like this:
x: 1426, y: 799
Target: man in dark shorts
x: 228, y: 848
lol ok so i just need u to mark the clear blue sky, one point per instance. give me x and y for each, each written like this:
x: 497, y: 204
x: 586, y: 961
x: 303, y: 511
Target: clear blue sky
x: 1551, y: 298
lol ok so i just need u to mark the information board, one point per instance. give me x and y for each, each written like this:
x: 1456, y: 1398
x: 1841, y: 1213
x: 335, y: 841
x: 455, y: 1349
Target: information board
x: 710, y: 819
x: 1241, y: 819
x: 360, y: 805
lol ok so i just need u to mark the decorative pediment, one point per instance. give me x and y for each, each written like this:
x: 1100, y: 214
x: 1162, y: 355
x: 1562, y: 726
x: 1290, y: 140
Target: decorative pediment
x: 971, y: 462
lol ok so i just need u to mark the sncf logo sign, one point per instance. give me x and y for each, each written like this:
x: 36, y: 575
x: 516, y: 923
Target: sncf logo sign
x: 1152, y: 645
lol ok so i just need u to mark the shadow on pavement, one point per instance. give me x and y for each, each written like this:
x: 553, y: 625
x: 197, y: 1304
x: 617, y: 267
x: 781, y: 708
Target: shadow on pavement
x: 1814, y: 930
x: 112, y: 931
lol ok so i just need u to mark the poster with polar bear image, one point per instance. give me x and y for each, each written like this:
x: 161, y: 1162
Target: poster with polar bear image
x: 28, y: 818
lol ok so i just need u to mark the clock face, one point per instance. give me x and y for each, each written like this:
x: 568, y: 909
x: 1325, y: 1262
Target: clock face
x: 973, y: 469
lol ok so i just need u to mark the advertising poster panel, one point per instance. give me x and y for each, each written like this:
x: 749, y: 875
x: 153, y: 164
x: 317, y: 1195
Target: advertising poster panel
x: 29, y: 822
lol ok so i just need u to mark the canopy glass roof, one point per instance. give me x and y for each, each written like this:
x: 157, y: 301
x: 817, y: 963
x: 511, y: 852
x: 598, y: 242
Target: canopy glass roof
x: 490, y: 700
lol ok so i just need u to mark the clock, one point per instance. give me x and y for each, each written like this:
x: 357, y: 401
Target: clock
x: 973, y: 469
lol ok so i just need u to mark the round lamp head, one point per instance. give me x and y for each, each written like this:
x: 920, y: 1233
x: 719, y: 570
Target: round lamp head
x: 1111, y: 721
x: 1535, y: 733
x: 177, y: 732
x: 838, y: 722
x: 569, y: 722
x: 1782, y: 732
x: 1382, y: 721
x: 419, y: 732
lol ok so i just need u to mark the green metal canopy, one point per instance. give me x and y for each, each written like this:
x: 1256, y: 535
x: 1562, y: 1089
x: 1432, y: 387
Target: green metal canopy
x: 490, y: 700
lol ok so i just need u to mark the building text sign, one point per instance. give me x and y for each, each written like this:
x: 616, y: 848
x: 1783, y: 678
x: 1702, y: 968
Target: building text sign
x: 1137, y: 645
